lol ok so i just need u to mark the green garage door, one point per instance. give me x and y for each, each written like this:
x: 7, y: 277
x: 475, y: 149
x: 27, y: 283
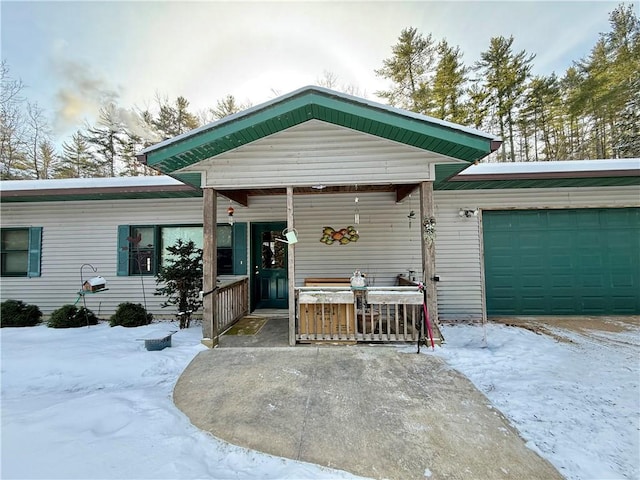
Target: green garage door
x: 562, y: 262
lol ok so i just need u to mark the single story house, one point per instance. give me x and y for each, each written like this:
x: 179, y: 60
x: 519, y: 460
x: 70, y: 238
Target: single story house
x: 289, y: 198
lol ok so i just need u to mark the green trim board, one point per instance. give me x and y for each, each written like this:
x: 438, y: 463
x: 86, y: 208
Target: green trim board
x: 326, y: 105
x: 562, y: 262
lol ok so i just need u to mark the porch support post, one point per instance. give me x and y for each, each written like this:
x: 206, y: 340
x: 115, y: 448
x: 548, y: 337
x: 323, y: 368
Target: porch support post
x: 291, y: 273
x: 210, y: 267
x: 427, y: 216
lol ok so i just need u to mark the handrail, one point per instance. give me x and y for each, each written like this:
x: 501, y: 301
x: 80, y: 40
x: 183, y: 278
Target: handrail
x: 232, y: 302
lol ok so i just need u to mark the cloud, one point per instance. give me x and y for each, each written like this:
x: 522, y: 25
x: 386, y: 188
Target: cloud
x: 80, y: 94
x: 83, y: 93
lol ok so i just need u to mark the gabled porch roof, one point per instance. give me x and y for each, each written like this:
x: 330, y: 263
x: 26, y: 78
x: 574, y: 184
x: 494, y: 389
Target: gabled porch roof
x: 315, y: 103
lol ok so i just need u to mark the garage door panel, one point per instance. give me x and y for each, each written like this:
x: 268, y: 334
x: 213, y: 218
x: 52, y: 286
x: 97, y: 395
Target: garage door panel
x: 594, y: 304
x: 621, y: 280
x: 587, y: 220
x: 619, y: 260
x: 562, y: 261
x: 533, y: 282
x: 563, y: 305
x: 623, y: 305
x: 533, y: 219
x: 534, y: 304
x: 531, y: 262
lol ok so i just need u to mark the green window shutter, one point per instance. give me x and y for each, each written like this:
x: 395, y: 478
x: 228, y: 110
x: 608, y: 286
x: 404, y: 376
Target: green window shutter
x: 123, y: 250
x: 239, y: 248
x: 35, y: 250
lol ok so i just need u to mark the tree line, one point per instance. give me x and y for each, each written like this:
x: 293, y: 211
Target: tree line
x: 591, y: 111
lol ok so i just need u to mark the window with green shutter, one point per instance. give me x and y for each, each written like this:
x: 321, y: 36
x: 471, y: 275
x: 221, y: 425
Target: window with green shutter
x: 21, y: 251
x: 142, y: 248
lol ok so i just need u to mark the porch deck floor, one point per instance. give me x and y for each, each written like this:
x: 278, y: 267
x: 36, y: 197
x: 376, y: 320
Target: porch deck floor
x: 274, y: 333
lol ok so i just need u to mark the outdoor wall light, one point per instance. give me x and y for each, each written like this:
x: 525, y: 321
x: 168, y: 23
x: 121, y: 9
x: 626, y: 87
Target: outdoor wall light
x: 467, y: 212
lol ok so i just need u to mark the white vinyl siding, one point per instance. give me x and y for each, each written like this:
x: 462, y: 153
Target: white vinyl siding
x: 316, y: 152
x: 75, y: 233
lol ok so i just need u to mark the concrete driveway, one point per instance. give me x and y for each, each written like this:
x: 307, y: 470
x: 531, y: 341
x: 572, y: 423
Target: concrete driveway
x: 374, y: 411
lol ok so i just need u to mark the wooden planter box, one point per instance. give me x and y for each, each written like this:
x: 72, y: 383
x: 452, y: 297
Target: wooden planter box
x: 327, y: 312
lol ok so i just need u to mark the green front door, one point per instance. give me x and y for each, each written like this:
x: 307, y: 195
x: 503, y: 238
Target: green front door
x: 269, y: 266
x: 562, y: 262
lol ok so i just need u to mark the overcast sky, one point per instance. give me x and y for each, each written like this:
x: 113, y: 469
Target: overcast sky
x: 72, y: 55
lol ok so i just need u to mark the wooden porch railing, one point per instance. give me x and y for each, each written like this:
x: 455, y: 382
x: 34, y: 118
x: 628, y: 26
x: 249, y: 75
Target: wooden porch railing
x: 377, y: 314
x: 232, y: 302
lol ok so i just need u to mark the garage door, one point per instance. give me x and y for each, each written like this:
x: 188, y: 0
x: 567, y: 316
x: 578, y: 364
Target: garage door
x: 562, y: 262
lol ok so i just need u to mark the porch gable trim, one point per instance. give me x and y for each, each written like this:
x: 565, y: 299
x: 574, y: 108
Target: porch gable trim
x: 326, y: 105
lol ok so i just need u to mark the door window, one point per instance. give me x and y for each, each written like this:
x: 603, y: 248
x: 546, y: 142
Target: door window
x: 273, y: 252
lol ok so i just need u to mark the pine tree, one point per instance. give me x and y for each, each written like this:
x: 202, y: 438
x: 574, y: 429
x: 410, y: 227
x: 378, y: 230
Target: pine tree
x: 172, y: 119
x: 542, y: 118
x: 227, y: 106
x: 180, y: 279
x: 76, y: 161
x: 605, y: 88
x: 37, y: 134
x: 623, y: 44
x: 130, y: 145
x: 505, y: 79
x: 409, y: 69
x: 449, y: 82
x: 106, y: 139
x: 48, y: 159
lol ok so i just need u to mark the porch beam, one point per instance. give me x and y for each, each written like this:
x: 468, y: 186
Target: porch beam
x: 427, y: 214
x: 291, y: 262
x: 403, y: 191
x: 210, y: 327
x: 239, y: 196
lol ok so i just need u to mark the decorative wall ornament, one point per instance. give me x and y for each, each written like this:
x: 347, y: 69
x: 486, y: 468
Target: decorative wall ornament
x: 429, y: 229
x: 356, y: 213
x: 342, y: 236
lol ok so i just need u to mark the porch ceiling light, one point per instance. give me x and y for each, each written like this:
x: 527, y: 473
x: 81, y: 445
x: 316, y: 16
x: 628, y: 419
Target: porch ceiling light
x: 230, y: 211
x: 319, y: 187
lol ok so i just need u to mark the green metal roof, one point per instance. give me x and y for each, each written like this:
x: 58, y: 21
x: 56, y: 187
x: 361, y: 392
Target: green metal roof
x: 326, y: 105
x: 568, y: 173
x: 539, y: 183
x: 82, y: 189
x: 69, y: 197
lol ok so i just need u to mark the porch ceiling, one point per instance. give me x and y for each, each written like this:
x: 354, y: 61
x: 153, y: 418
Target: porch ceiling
x: 419, y: 131
x: 242, y: 196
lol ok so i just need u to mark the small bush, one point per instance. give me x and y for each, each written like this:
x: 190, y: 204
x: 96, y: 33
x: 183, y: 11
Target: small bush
x: 14, y: 313
x: 70, y: 316
x: 130, y: 315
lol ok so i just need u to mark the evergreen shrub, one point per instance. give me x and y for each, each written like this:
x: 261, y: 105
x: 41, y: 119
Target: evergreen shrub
x: 70, y: 316
x: 15, y: 313
x: 130, y: 315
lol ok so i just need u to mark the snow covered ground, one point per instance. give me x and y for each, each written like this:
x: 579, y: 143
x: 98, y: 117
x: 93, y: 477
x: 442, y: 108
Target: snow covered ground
x: 577, y: 404
x: 91, y: 403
